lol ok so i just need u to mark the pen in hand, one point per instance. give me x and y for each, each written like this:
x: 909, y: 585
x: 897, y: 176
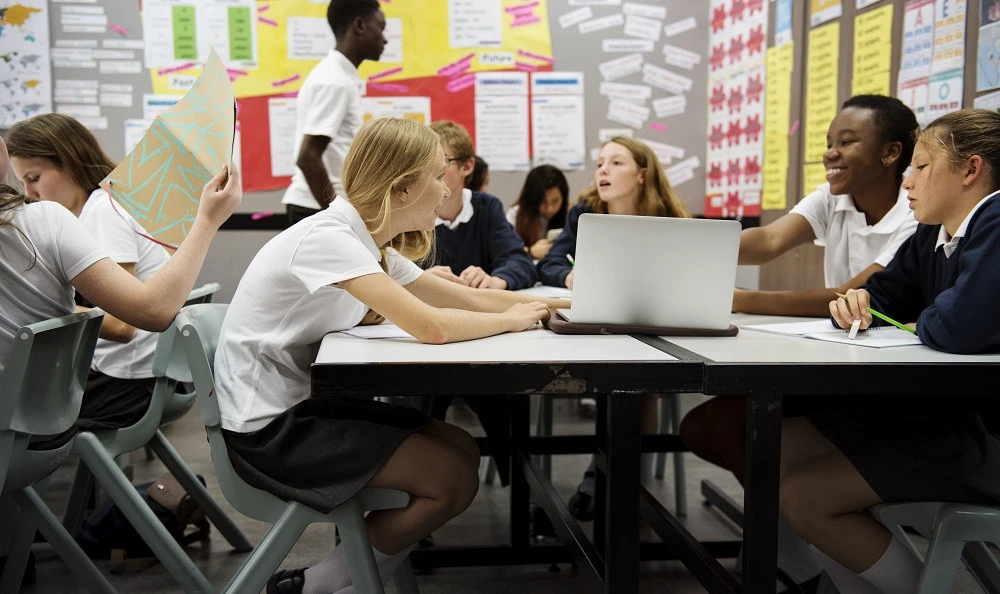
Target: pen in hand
x: 883, y: 317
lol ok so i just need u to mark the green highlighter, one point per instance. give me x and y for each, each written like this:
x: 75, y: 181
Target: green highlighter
x: 886, y: 318
x: 572, y: 262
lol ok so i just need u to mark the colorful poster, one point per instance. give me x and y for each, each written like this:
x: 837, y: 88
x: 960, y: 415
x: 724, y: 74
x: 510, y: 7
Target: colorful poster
x: 178, y: 32
x: 737, y: 77
x: 945, y: 93
x: 411, y: 108
x: 917, y: 51
x: 823, y: 11
x: 782, y: 22
x: 25, y: 79
x: 988, y: 58
x: 949, y: 35
x: 915, y: 93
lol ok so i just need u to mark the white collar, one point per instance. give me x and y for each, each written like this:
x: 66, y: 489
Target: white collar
x: 343, y: 63
x: 950, y: 243
x: 346, y: 210
x: 889, y: 222
x: 464, y: 216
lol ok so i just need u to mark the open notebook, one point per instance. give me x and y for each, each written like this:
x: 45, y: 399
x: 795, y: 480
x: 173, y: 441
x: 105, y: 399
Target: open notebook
x: 881, y: 337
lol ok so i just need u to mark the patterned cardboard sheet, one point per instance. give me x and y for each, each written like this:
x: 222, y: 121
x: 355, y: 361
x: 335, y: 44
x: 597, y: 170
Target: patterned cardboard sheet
x: 160, y: 181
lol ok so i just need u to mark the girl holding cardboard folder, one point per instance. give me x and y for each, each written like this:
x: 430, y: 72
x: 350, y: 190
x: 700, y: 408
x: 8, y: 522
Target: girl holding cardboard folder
x: 348, y: 265
x: 944, y: 278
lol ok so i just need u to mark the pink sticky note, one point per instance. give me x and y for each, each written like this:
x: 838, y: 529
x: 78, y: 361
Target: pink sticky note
x: 527, y: 19
x: 263, y: 8
x: 658, y: 126
x: 118, y: 29
x: 284, y: 81
x: 266, y: 21
x: 456, y: 67
x: 525, y: 67
x: 534, y: 56
x: 389, y: 87
x: 794, y: 128
x: 521, y: 8
x: 179, y: 68
x: 462, y: 82
x: 260, y: 215
x: 385, y: 74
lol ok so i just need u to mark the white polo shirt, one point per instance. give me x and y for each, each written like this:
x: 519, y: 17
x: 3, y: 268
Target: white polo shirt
x: 328, y: 104
x: 853, y: 245
x: 39, y: 255
x: 284, y: 305
x: 119, y: 234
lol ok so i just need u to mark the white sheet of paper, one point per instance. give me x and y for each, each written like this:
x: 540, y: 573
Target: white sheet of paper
x: 678, y: 27
x: 281, y: 112
x: 575, y: 17
x: 134, y: 129
x: 620, y: 46
x: 557, y: 127
x: 621, y: 67
x: 472, y: 23
x: 606, y: 134
x: 662, y: 150
x: 546, y: 291
x: 393, y: 51
x: 626, y: 91
x: 669, y: 106
x: 557, y: 83
x: 502, y: 131
x: 153, y: 105
x: 501, y: 83
x: 385, y: 330
x: 650, y: 11
x: 662, y: 78
x: 308, y: 38
x: 211, y: 23
x: 630, y: 114
x: 643, y: 28
x: 794, y: 328
x: 598, y: 24
x: 79, y: 111
x: 881, y: 337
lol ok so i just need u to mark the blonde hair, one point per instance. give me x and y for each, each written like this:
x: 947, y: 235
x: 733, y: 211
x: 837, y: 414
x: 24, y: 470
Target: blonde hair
x: 389, y: 155
x: 456, y: 138
x: 656, y: 199
x: 961, y: 134
x: 66, y: 143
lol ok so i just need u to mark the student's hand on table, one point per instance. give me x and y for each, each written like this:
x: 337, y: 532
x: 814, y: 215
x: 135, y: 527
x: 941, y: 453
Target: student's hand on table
x: 569, y: 280
x: 477, y: 278
x: 540, y: 248
x: 446, y: 273
x: 853, y: 307
x: 522, y: 316
x: 220, y: 197
x: 739, y: 300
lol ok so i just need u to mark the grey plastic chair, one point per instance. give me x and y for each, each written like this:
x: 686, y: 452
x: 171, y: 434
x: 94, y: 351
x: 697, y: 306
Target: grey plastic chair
x: 40, y: 393
x: 197, y: 328
x: 957, y: 532
x: 98, y: 452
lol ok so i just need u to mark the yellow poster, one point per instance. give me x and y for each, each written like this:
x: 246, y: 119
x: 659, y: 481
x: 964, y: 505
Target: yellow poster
x: 777, y: 111
x: 821, y: 88
x: 813, y: 174
x: 872, y: 51
x: 822, y: 11
x: 293, y: 35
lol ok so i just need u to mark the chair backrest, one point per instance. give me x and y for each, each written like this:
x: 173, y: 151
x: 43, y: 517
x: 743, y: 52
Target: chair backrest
x: 198, y: 328
x: 172, y: 362
x: 46, y: 372
x: 202, y: 294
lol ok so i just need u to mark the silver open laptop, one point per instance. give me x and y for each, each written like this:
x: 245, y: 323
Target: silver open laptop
x: 654, y: 271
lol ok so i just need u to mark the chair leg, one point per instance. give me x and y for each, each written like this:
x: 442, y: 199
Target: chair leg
x: 982, y: 565
x: 272, y: 549
x: 360, y: 558
x: 680, y: 480
x: 491, y: 470
x: 172, y: 460
x: 79, y: 497
x: 543, y: 426
x: 941, y: 563
x: 142, y: 518
x: 39, y: 515
x: 406, y: 580
x: 17, y: 555
x: 665, y: 418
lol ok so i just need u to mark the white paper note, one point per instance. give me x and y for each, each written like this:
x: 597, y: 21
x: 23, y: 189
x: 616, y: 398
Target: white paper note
x: 281, y: 113
x: 678, y: 27
x: 622, y: 46
x: 473, y: 23
x: 308, y: 38
x: 614, y: 20
x: 650, y: 11
x: 557, y: 126
x: 621, y: 67
x: 575, y: 17
x: 666, y: 80
x: 643, y: 28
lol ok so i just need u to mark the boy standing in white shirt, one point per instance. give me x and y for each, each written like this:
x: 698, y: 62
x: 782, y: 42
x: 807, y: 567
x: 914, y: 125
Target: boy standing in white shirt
x: 329, y: 107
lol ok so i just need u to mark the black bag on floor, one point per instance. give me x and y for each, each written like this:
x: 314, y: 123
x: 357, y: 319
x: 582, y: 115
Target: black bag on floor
x: 107, y: 533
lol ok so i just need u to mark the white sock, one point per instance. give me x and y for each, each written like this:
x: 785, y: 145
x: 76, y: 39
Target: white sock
x: 846, y: 580
x: 387, y: 566
x: 329, y: 575
x: 898, y: 571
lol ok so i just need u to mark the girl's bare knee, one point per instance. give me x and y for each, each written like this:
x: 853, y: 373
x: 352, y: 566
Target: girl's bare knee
x: 797, y: 504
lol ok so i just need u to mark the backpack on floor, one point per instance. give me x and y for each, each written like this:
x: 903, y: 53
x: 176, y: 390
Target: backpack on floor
x: 107, y: 533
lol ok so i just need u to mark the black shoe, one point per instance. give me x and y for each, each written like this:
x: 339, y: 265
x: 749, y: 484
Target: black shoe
x: 29, y: 570
x: 287, y: 581
x: 581, y: 506
x: 540, y: 526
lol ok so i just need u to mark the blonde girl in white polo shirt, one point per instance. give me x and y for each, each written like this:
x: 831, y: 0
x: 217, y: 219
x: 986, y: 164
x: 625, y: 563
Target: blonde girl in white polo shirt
x: 347, y: 265
x: 862, y: 217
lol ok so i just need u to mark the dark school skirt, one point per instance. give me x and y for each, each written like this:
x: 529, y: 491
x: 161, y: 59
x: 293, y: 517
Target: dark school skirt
x: 322, y: 451
x: 926, y: 454
x: 108, y: 403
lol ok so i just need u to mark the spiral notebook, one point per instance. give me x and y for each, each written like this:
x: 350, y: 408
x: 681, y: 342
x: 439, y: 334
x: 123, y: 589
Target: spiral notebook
x: 881, y: 337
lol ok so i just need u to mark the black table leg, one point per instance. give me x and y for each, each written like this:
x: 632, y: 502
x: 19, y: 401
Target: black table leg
x: 520, y: 421
x: 760, y: 498
x: 600, y: 478
x: 621, y: 544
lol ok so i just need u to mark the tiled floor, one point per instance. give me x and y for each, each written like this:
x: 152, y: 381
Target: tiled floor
x: 483, y: 523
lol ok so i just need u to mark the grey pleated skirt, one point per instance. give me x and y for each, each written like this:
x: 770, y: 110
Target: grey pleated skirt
x: 322, y: 451
x: 933, y: 453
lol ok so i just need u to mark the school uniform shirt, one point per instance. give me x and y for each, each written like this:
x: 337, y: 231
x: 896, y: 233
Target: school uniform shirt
x: 480, y: 236
x: 41, y: 253
x: 555, y: 267
x: 123, y: 239
x: 284, y: 305
x: 949, y: 285
x: 851, y: 244
x: 328, y: 104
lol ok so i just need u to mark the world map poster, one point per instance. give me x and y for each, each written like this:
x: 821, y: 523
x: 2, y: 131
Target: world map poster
x: 25, y: 78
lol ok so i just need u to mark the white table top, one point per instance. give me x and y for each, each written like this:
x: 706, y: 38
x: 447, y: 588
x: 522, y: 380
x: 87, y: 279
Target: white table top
x: 532, y: 346
x: 751, y: 346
